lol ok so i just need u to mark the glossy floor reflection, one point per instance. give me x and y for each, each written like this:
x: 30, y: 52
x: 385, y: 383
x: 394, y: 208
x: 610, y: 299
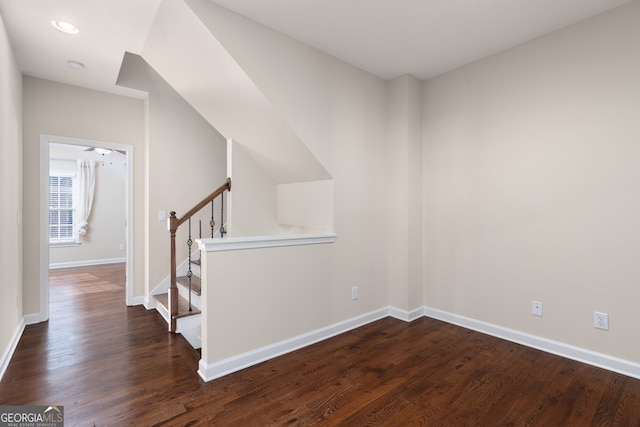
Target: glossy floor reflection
x: 112, y: 365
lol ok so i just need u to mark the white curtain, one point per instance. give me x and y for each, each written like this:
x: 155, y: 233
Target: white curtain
x: 86, y: 187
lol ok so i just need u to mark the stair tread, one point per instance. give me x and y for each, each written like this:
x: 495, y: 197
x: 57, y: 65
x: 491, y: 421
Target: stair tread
x: 183, y: 305
x: 196, y: 286
x: 195, y: 261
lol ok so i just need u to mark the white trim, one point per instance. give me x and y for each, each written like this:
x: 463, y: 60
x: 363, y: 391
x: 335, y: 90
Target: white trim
x: 224, y: 367
x: 188, y: 323
x: 8, y: 353
x: 163, y: 286
x: 196, y: 300
x: 64, y: 244
x: 163, y: 311
x: 139, y: 300
x: 32, y: 319
x: 232, y: 364
x: 74, y: 240
x: 192, y: 336
x: 130, y: 298
x: 254, y: 242
x: 45, y: 140
x: 86, y: 263
x: 605, y: 361
x: 43, y: 265
x: 149, y: 302
x: 407, y: 316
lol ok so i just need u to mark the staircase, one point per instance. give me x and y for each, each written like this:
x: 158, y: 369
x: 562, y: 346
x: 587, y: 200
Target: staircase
x: 188, y: 321
x: 181, y: 305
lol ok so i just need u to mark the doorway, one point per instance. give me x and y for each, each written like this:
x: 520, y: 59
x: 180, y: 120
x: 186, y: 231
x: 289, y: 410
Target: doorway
x: 112, y: 156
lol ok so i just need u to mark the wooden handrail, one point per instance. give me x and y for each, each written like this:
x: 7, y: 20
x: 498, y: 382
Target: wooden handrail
x: 204, y: 202
x: 174, y: 223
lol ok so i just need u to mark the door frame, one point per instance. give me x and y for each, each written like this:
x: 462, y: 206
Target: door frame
x: 45, y: 140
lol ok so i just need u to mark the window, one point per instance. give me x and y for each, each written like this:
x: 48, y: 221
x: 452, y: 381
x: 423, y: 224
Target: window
x: 61, y: 209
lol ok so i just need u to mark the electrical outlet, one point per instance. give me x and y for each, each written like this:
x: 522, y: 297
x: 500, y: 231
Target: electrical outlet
x: 601, y: 320
x: 354, y: 293
x: 121, y: 247
x: 536, y: 308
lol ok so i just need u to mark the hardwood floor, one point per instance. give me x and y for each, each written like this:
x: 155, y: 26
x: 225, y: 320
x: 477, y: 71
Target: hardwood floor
x: 111, y: 365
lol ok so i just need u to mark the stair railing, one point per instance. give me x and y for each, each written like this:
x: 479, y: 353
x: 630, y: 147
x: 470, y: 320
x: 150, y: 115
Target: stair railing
x: 174, y: 223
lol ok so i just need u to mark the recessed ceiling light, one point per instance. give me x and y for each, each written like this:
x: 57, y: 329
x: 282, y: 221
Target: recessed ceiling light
x: 75, y: 65
x: 65, y: 27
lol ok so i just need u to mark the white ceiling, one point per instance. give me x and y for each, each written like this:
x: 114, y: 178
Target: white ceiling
x: 421, y: 37
x: 385, y: 37
x: 108, y: 28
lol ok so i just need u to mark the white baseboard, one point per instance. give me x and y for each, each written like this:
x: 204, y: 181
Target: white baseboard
x: 56, y: 265
x: 407, y: 316
x: 589, y: 357
x: 32, y: 319
x: 224, y: 367
x: 11, y: 348
x: 139, y: 300
x: 149, y: 301
x: 163, y: 286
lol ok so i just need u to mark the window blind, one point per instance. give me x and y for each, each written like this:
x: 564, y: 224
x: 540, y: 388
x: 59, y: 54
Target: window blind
x: 61, y: 208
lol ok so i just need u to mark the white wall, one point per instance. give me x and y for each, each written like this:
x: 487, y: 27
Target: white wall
x: 262, y: 207
x: 68, y: 111
x: 339, y: 112
x: 306, y: 207
x: 221, y: 92
x: 253, y: 201
x: 106, y: 231
x: 529, y: 190
x: 11, y: 192
x: 404, y: 193
x: 516, y: 178
x: 532, y: 186
x: 247, y: 309
x: 186, y: 161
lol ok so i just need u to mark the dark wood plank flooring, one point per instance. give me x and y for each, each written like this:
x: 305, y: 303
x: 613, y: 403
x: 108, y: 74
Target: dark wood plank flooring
x: 112, y: 365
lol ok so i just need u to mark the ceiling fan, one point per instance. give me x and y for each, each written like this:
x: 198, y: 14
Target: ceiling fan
x: 105, y: 151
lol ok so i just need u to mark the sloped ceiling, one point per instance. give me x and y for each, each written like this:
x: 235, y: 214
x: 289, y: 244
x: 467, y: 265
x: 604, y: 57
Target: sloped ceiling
x: 180, y: 44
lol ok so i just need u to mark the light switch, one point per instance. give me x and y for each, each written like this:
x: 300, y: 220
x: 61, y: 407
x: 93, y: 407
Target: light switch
x: 162, y: 215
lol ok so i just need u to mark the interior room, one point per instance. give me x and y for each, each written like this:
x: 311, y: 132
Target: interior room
x: 466, y: 167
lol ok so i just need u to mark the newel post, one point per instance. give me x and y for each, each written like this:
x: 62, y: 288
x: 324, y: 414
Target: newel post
x: 173, y: 287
